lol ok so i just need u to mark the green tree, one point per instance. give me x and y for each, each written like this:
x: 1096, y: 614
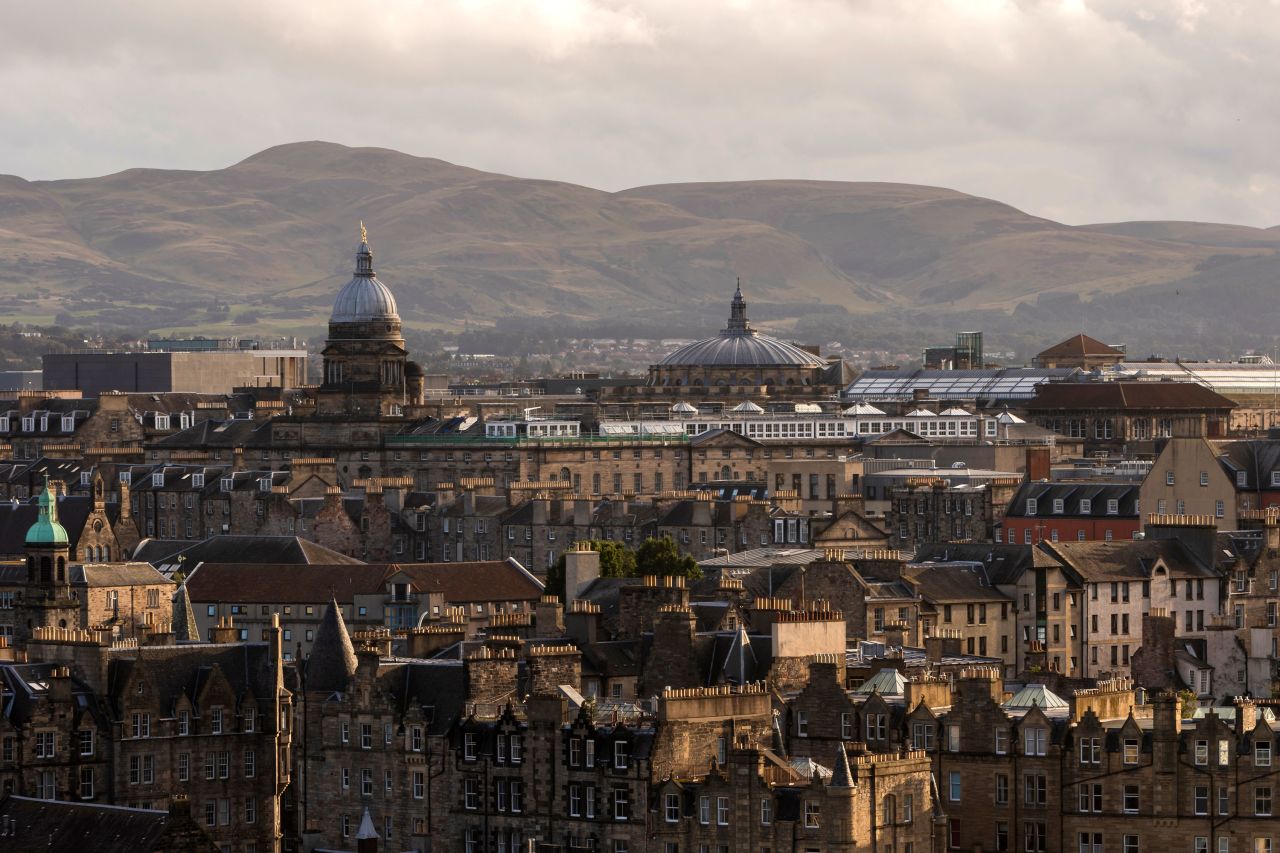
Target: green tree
x: 616, y: 561
x: 662, y: 557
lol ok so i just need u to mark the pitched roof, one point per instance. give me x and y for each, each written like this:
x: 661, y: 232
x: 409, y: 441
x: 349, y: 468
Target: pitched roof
x: 1127, y: 560
x: 234, y: 548
x: 1112, y: 396
x: 491, y: 580
x: 43, y: 825
x: 1072, y: 494
x: 1079, y: 345
x: 283, y: 583
x: 952, y: 582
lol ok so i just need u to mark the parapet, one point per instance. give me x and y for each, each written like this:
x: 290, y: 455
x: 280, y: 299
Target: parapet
x: 715, y: 703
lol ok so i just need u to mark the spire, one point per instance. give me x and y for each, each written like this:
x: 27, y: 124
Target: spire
x: 738, y: 322
x: 364, y: 255
x: 842, y: 776
x: 366, y: 830
x: 332, y: 661
x: 184, y: 618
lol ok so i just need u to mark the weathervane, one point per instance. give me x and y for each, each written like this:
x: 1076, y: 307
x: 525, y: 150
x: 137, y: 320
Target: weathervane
x: 364, y: 235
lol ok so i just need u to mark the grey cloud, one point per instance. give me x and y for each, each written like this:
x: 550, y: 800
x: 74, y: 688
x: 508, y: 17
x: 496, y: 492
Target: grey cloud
x: 1083, y: 111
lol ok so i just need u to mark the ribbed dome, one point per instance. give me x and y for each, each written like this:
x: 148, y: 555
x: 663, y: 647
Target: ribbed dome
x: 47, y: 530
x: 739, y: 345
x: 364, y: 299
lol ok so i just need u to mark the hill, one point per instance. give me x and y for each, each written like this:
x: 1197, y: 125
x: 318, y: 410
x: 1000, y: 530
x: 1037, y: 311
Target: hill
x: 263, y: 245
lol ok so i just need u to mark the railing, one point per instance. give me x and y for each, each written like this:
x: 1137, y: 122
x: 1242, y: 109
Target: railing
x: 524, y: 440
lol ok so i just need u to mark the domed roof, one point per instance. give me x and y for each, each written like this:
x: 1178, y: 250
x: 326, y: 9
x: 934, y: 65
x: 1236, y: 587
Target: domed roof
x: 47, y: 530
x: 739, y: 345
x: 364, y: 298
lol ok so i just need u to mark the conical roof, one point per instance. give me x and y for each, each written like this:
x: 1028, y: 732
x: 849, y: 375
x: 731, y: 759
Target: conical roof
x: 184, y: 618
x: 842, y: 776
x: 747, y: 407
x: 332, y: 661
x: 47, y: 531
x: 366, y: 830
x: 683, y: 408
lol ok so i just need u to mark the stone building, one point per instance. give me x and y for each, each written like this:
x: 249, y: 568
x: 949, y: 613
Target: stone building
x: 148, y: 725
x: 741, y: 362
x: 938, y: 509
x: 366, y: 364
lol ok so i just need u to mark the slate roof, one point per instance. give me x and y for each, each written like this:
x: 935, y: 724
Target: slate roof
x: 491, y: 580
x: 1071, y: 494
x: 1128, y: 560
x: 761, y: 557
x: 283, y: 583
x: 951, y: 582
x: 46, y: 825
x: 1004, y: 563
x: 174, y: 671
x: 332, y: 661
x: 115, y: 574
x: 437, y: 687
x: 1257, y: 459
x: 1120, y: 396
x: 233, y: 548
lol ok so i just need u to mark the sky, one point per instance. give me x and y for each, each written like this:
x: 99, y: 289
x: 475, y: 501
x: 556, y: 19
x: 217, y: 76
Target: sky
x: 1075, y: 110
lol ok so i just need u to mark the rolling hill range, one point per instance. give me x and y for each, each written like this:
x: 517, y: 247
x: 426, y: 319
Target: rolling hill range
x: 267, y: 242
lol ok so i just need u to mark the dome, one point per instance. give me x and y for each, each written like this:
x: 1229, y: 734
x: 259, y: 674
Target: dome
x: 739, y: 345
x: 364, y: 299
x: 748, y: 408
x: 47, y: 530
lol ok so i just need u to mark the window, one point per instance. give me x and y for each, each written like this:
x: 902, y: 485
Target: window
x: 1130, y: 844
x: 1035, y: 837
x: 215, y: 721
x: 86, y: 741
x: 722, y: 811
x: 766, y: 812
x: 415, y: 739
x: 1224, y: 800
x: 419, y: 785
x: 1090, y: 750
x: 620, y: 755
x: 1002, y: 789
x: 671, y: 808
x: 141, y: 725
x: 812, y: 813
x: 1034, y: 789
x: 46, y: 744
x: 1034, y: 741
x: 1130, y: 751
x: 471, y: 794
x: 1262, y: 800
x: 953, y: 787
x: 1202, y: 752
x: 621, y: 804
x: 802, y: 724
x: 1262, y: 754
x: 1130, y: 799
x: 250, y: 763
x: 469, y: 746
x: 1090, y: 797
x: 1090, y: 842
x: 922, y: 736
x: 1200, y: 800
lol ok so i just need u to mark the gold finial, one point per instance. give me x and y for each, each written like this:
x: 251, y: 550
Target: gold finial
x: 364, y: 235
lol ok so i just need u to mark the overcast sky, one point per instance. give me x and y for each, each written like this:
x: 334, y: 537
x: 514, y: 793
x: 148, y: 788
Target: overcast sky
x: 1080, y: 111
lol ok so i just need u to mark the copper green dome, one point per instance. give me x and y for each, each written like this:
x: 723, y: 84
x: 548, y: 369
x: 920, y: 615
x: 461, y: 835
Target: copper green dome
x: 47, y: 531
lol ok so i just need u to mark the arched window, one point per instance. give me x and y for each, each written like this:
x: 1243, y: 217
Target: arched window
x: 46, y: 570
x: 565, y: 475
x: 62, y: 570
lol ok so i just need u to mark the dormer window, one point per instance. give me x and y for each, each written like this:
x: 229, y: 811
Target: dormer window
x: 264, y: 484
x: 197, y: 481
x: 184, y: 420
x: 157, y: 480
x: 126, y: 478
x: 1031, y: 506
x: 1058, y: 506
x: 28, y: 424
x: 162, y: 421
x: 68, y: 424
x: 228, y: 483
x: 86, y: 477
x: 4, y: 423
x: 1086, y: 506
x: 1242, y: 479
x: 1113, y: 507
